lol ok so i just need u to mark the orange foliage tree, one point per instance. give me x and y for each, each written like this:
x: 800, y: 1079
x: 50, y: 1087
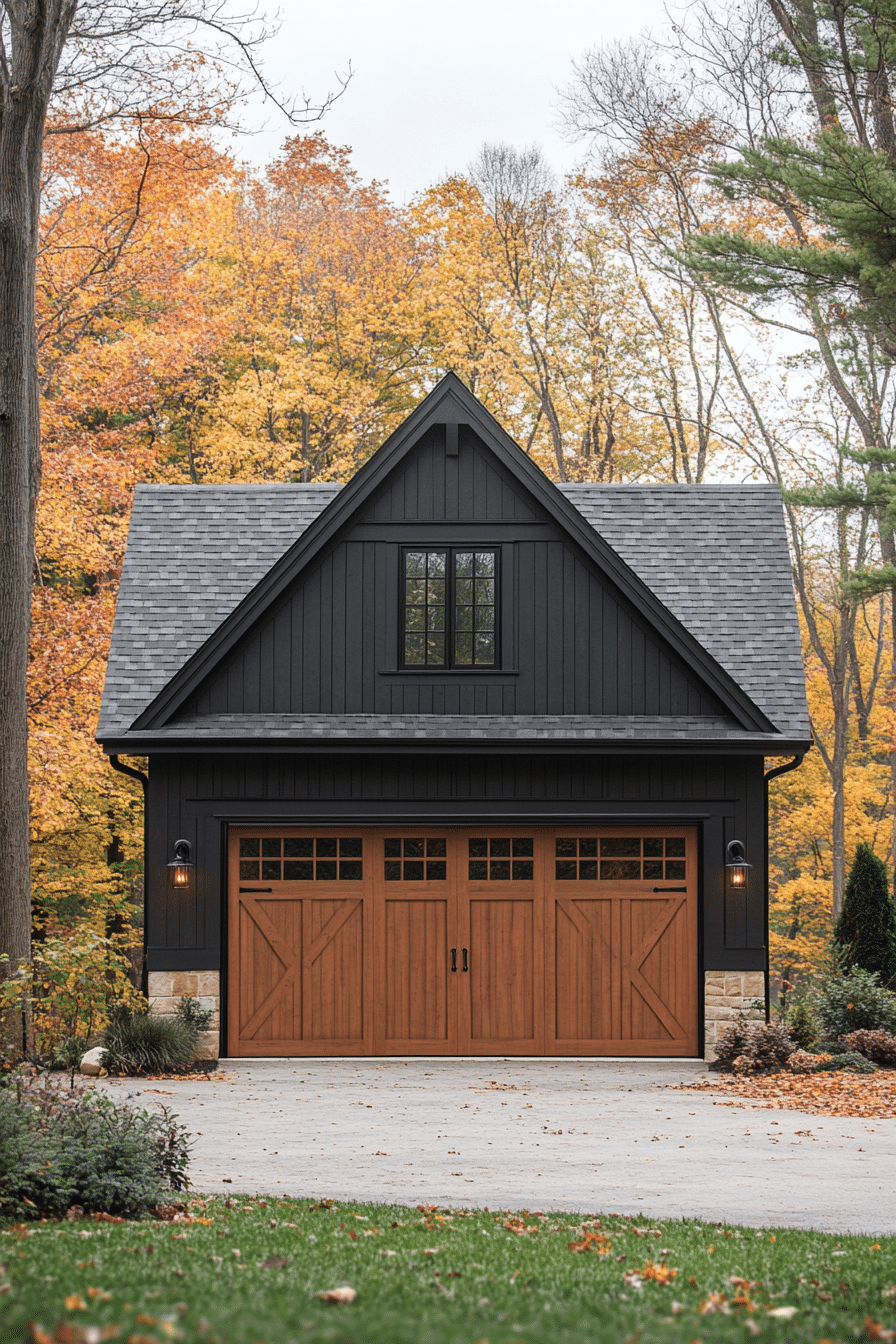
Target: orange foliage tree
x: 128, y: 273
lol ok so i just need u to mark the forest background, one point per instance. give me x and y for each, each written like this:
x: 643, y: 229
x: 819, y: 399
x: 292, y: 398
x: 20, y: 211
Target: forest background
x: 201, y: 321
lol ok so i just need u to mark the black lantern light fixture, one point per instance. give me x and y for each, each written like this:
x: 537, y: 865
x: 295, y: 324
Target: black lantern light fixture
x: 736, y: 865
x: 181, y: 864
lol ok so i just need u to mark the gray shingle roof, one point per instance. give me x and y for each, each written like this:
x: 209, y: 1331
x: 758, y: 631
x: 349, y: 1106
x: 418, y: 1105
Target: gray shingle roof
x: 503, y: 727
x: 716, y: 556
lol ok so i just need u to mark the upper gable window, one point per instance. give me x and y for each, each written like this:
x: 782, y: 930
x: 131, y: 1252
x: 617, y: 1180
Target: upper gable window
x: 450, y: 608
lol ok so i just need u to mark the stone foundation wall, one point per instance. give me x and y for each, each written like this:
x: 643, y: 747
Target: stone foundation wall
x: 728, y: 995
x: 167, y: 988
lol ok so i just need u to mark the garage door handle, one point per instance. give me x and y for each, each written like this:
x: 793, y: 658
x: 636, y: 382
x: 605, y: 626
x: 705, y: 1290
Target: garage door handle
x: 465, y: 966
x: 454, y: 958
x: 242, y: 889
x: 670, y: 888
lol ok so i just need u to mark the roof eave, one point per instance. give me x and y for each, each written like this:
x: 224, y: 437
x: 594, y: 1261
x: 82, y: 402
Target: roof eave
x: 160, y: 743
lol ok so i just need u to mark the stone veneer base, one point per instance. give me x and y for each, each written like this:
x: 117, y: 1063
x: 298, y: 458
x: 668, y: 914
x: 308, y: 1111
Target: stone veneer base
x: 167, y: 988
x: 727, y: 996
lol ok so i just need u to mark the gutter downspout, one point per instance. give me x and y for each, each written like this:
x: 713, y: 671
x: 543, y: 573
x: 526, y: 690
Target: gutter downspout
x: 116, y: 764
x: 784, y: 769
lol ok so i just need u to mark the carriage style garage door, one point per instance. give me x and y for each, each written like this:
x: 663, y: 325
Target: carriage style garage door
x: 536, y: 941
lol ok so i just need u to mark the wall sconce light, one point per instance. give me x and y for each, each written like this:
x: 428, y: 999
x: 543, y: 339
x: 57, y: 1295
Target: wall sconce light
x: 181, y: 864
x: 736, y: 865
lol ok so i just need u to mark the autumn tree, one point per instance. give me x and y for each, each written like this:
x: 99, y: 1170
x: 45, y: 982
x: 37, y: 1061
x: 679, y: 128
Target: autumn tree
x: 830, y: 399
x: 116, y: 345
x: 530, y: 307
x: 100, y: 63
x: 330, y: 330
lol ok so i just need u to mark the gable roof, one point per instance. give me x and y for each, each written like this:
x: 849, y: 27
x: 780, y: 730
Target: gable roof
x: 718, y: 561
x: 707, y: 565
x: 451, y: 403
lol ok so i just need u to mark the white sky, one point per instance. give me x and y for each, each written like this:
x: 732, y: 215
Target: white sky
x: 432, y: 82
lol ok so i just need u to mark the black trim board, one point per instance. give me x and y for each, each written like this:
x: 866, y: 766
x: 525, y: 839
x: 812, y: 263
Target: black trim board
x: 158, y: 744
x: 450, y: 402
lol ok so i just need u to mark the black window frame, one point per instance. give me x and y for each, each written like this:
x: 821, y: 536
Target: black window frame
x: 450, y: 665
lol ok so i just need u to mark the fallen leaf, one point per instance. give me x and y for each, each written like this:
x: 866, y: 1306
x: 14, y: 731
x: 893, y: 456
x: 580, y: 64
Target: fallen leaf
x: 275, y: 1262
x: 592, y: 1241
x: 66, y: 1333
x: 716, y: 1304
x: 874, y: 1330
x: 783, y: 1313
x: 74, y: 1302
x: 344, y: 1294
x: 99, y: 1294
x: 658, y: 1273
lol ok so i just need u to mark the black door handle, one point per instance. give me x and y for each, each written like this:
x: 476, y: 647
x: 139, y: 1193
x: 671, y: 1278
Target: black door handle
x: 454, y: 958
x: 466, y: 967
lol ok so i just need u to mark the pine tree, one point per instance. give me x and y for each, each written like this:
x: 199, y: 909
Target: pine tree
x: 866, y: 929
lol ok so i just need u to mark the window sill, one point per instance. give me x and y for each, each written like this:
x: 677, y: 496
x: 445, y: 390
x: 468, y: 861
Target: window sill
x: 448, y: 672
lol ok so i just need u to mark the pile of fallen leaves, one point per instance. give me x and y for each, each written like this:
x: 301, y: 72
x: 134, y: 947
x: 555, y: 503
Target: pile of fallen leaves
x: 864, y: 1096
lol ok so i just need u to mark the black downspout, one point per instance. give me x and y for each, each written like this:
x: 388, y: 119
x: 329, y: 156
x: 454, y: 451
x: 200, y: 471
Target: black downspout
x: 784, y: 769
x: 116, y: 764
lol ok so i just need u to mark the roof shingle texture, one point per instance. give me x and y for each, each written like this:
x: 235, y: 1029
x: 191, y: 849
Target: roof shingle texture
x: 715, y: 556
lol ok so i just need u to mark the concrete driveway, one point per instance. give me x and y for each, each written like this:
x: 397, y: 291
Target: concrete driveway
x: 583, y: 1135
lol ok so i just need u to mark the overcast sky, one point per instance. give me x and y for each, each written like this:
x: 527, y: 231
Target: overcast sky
x: 432, y: 82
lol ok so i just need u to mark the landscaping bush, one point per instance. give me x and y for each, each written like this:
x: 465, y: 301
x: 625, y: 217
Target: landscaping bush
x: 802, y: 1026
x: 853, y: 1000
x: 801, y: 1061
x: 138, y: 1042
x: 753, y: 1047
x: 878, y: 1046
x: 848, y: 1060
x: 866, y: 928
x: 61, y: 1148
x: 192, y: 1012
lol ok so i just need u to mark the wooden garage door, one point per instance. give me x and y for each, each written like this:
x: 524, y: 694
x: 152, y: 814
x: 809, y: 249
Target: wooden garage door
x: 488, y: 941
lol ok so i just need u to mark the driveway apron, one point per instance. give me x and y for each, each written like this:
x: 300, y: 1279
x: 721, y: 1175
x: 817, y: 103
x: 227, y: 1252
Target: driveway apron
x: 586, y: 1136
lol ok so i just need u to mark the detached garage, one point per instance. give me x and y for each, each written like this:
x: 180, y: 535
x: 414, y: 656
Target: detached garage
x: 454, y: 760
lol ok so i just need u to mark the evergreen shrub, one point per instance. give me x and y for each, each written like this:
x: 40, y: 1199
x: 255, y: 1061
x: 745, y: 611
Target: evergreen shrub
x: 802, y: 1025
x: 866, y: 928
x: 853, y: 1000
x: 63, y: 1149
x: 848, y: 1060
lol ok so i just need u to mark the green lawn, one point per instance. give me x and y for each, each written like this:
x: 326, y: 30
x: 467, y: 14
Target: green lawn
x: 435, y: 1277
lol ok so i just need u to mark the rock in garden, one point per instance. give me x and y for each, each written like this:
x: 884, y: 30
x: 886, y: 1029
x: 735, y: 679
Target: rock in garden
x: 90, y: 1063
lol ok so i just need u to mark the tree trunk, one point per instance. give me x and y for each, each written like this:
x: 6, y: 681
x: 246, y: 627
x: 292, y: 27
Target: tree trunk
x: 37, y: 35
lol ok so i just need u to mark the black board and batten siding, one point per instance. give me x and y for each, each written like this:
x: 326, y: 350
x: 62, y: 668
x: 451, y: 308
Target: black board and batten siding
x: 571, y: 642
x: 197, y: 797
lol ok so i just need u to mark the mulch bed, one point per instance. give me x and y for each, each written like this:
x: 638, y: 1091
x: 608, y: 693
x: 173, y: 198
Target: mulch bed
x: 864, y: 1096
